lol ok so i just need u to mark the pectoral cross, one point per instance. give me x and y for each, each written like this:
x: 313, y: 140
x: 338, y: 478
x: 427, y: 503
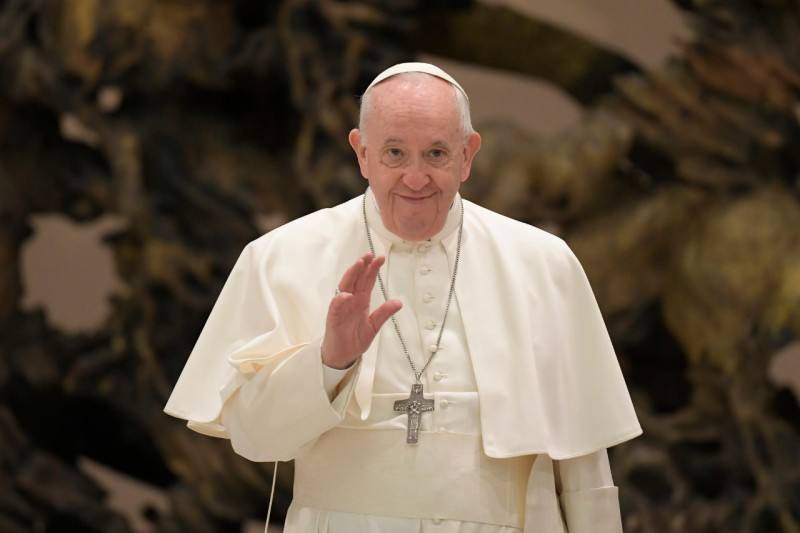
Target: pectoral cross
x: 415, y: 405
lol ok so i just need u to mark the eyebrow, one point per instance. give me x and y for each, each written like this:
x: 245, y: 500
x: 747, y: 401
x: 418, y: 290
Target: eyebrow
x: 395, y: 140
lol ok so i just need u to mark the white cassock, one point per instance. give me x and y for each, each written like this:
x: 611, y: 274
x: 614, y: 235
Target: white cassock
x: 525, y: 374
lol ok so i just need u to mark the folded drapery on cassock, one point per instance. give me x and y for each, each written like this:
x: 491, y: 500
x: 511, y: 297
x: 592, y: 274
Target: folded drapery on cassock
x: 547, y: 377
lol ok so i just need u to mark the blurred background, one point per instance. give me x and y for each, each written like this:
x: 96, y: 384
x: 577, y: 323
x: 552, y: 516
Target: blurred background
x: 143, y: 143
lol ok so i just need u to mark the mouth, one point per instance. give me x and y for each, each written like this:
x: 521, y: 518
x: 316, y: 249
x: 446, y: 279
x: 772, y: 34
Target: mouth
x: 415, y: 199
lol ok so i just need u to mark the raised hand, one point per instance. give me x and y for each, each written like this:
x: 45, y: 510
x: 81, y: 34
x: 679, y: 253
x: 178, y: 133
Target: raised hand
x: 350, y: 327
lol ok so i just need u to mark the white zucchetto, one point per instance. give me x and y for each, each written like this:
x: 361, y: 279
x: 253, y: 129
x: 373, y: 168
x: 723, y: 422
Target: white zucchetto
x: 425, y: 68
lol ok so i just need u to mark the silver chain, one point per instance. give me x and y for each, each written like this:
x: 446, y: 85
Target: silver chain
x: 418, y: 375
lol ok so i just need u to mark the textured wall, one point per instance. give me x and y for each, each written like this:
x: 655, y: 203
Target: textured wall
x: 143, y: 144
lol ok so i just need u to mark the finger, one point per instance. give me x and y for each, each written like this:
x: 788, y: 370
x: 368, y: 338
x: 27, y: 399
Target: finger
x: 380, y: 315
x: 358, y: 284
x: 340, y: 306
x: 352, y: 274
x: 367, y: 279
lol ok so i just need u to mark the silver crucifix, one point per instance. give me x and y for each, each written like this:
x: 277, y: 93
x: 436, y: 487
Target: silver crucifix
x: 415, y: 405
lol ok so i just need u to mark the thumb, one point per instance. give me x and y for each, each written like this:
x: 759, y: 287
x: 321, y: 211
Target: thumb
x: 380, y: 315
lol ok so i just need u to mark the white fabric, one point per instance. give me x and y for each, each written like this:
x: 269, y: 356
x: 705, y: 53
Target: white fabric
x: 547, y: 380
x: 422, y: 495
x: 589, y: 496
x: 427, y: 68
x: 446, y: 476
x: 547, y: 376
x: 589, y: 510
x: 278, y: 412
x: 385, y: 477
x: 324, y: 521
x: 582, y: 473
x: 331, y: 377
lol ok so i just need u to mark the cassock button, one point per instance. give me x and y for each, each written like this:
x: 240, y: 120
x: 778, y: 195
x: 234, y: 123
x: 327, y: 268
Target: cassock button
x: 439, y: 376
x: 430, y: 324
x: 422, y: 248
x: 432, y: 348
x: 427, y: 298
x: 437, y: 521
x: 444, y: 404
x: 425, y: 270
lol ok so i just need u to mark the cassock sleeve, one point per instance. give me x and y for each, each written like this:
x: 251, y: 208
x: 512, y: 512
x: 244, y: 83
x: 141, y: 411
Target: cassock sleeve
x: 589, y: 499
x: 575, y: 495
x: 331, y: 377
x: 278, y: 413
x: 257, y: 362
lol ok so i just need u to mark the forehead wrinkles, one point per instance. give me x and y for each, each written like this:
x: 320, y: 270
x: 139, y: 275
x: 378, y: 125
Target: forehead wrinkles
x: 424, y: 108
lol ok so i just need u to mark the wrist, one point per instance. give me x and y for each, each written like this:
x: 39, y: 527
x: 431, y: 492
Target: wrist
x: 339, y: 367
x: 335, y: 363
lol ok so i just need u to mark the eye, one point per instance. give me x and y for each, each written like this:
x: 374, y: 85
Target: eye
x: 437, y: 155
x: 393, y: 156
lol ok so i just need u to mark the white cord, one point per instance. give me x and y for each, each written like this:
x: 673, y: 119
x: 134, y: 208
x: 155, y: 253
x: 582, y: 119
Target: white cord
x: 271, y: 494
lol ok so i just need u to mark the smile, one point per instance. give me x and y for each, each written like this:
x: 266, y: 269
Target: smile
x: 415, y: 199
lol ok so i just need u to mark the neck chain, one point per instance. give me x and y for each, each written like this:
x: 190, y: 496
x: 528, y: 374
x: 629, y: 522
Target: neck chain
x: 418, y: 374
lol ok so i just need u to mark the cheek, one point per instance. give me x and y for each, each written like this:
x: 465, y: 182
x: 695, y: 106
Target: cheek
x: 383, y: 180
x: 449, y: 179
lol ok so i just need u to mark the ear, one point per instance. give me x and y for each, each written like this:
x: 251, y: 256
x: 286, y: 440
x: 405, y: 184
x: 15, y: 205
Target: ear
x: 471, y: 148
x: 360, y: 149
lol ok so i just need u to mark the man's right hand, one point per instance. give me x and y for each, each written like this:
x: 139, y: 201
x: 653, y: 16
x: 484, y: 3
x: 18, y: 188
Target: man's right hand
x: 350, y: 327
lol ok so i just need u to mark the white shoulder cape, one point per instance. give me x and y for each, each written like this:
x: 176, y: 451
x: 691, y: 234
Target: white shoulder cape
x: 548, y: 378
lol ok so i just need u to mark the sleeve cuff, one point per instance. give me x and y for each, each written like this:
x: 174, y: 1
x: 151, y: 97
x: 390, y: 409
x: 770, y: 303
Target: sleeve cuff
x: 331, y: 377
x: 592, y: 511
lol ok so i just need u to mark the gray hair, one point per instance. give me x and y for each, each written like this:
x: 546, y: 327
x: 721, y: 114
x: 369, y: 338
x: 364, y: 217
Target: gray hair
x: 462, y: 105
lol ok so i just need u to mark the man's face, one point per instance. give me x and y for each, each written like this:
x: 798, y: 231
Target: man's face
x: 415, y: 154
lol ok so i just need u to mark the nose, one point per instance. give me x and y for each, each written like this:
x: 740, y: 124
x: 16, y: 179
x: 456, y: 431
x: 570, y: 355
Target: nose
x: 416, y: 175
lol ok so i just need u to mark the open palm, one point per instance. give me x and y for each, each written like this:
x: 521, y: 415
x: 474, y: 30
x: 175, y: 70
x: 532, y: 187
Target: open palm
x: 350, y: 327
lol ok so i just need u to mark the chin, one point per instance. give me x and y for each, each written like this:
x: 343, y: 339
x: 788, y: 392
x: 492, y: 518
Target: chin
x: 417, y: 233
x: 414, y: 238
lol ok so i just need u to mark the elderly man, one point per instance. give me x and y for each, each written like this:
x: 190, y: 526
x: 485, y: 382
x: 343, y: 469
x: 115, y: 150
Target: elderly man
x: 487, y: 402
